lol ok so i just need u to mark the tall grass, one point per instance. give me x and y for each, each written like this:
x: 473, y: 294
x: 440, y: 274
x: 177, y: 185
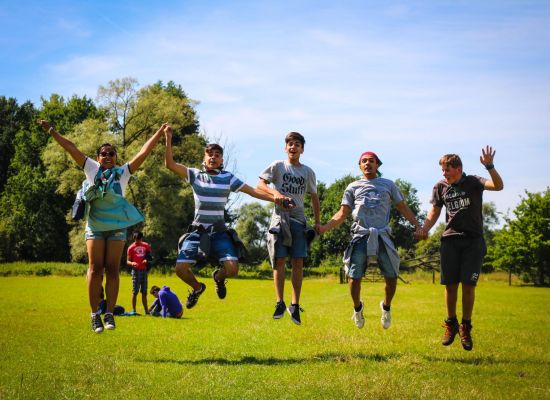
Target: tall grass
x: 233, y: 349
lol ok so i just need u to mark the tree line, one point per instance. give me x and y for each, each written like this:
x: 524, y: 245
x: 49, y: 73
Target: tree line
x: 38, y: 183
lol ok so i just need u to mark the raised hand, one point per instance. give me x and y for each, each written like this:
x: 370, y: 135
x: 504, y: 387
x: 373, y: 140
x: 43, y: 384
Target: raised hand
x: 487, y: 155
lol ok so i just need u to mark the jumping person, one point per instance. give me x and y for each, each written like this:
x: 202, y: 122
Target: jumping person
x: 108, y: 216
x: 462, y: 244
x: 287, y: 232
x: 369, y: 200
x: 136, y: 258
x: 211, y: 187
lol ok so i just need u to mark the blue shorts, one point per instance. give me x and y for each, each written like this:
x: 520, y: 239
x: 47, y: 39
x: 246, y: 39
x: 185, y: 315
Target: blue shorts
x: 117, y: 234
x: 221, y: 247
x: 358, y: 262
x: 299, y: 242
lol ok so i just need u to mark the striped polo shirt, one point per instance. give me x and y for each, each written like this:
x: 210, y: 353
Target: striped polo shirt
x: 211, y: 193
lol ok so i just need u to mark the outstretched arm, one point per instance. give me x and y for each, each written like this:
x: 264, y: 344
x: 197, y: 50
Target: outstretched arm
x: 431, y: 219
x: 404, y: 209
x: 263, y: 186
x: 140, y: 157
x: 336, y: 219
x: 169, y: 162
x: 486, y: 158
x: 69, y: 146
x: 259, y: 194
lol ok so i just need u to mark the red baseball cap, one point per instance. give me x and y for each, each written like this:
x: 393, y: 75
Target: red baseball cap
x: 370, y: 154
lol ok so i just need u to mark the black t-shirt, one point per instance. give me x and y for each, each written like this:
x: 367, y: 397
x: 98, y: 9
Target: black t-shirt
x: 463, y: 204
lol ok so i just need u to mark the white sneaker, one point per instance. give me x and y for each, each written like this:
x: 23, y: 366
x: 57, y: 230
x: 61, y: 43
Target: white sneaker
x: 358, y: 318
x: 385, y: 320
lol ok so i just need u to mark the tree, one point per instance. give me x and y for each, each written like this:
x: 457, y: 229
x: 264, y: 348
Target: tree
x: 522, y: 246
x: 13, y: 118
x: 402, y: 230
x: 252, y: 226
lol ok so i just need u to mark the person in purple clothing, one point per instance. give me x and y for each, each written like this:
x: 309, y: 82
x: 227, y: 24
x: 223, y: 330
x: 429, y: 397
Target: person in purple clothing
x: 166, y: 303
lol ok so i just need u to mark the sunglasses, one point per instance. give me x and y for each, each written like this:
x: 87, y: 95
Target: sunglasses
x: 108, y: 153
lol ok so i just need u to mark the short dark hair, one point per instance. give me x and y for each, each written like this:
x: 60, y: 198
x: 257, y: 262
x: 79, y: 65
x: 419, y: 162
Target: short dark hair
x: 295, y: 136
x: 213, y: 146
x: 451, y: 160
x: 154, y: 289
x: 105, y: 145
x: 138, y: 235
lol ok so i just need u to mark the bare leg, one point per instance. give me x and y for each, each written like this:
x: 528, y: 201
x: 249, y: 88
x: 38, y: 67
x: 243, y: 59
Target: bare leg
x: 451, y: 295
x: 391, y: 286
x: 144, y: 302
x: 297, y: 276
x: 468, y: 298
x: 113, y: 253
x: 230, y: 269
x: 355, y: 291
x: 279, y: 277
x: 183, y: 271
x: 96, y: 265
x: 134, y: 300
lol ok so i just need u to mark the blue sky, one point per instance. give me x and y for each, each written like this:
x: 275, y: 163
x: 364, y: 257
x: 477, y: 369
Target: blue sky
x: 408, y: 80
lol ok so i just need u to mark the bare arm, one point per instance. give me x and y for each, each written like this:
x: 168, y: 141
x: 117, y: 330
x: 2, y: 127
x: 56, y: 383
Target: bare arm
x: 404, y: 209
x: 259, y: 194
x: 169, y: 162
x: 431, y: 219
x: 336, y: 219
x: 69, y: 146
x: 486, y: 158
x: 263, y: 186
x: 140, y: 157
x: 316, y: 206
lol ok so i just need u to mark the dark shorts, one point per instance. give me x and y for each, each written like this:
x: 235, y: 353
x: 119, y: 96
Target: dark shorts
x: 139, y: 281
x: 461, y: 259
x: 358, y: 261
x: 298, y: 249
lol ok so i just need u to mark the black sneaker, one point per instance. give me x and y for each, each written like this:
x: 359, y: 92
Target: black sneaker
x: 221, y: 290
x: 109, y: 321
x: 294, y: 311
x: 194, y: 296
x: 97, y: 324
x: 280, y: 308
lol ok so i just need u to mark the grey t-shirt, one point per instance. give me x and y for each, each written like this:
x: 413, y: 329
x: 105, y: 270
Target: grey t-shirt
x: 292, y: 181
x: 370, y: 201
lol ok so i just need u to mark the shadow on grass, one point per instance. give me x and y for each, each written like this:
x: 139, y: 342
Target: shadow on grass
x: 483, y: 360
x: 253, y: 360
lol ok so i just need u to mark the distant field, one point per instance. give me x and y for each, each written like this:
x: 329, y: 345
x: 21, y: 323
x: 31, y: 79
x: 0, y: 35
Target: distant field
x: 232, y: 349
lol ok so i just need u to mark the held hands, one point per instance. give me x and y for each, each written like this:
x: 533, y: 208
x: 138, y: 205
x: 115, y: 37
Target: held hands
x: 167, y: 131
x: 420, y: 233
x: 487, y: 156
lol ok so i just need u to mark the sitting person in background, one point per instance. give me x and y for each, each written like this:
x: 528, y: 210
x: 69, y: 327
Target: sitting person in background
x: 166, y: 303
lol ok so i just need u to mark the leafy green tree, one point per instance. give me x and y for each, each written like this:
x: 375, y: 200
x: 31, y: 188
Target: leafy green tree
x: 402, y: 230
x: 522, y: 246
x: 13, y: 118
x: 252, y: 226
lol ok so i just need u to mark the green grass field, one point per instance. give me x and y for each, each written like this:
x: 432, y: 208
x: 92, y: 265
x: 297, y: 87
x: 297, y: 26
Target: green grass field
x: 233, y: 349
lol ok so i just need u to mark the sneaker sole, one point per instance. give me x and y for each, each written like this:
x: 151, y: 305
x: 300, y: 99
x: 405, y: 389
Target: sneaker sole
x: 98, y: 330
x: 278, y: 316
x: 110, y: 327
x: 292, y: 318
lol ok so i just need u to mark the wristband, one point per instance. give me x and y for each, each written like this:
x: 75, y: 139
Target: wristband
x: 50, y: 130
x: 489, y: 166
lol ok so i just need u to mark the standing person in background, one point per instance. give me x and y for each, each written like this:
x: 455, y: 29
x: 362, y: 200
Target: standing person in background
x: 287, y: 232
x: 137, y: 255
x: 369, y: 201
x: 462, y: 243
x: 108, y: 215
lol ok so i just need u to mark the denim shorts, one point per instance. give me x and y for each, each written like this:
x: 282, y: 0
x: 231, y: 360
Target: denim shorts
x: 298, y: 249
x: 358, y: 262
x: 221, y: 247
x: 117, y: 234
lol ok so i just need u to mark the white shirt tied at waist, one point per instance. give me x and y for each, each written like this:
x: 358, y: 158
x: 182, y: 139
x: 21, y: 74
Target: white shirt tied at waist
x: 358, y: 232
